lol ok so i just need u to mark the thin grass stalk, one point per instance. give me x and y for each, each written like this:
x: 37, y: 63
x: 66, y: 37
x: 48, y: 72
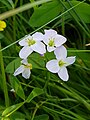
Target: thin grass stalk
x: 78, y: 16
x: 4, y: 83
x: 16, y: 1
x: 80, y: 51
x: 65, y: 110
x: 70, y: 93
x: 75, y: 19
x: 33, y: 115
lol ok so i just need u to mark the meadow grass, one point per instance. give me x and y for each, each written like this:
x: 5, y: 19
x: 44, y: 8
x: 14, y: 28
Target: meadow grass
x: 44, y: 96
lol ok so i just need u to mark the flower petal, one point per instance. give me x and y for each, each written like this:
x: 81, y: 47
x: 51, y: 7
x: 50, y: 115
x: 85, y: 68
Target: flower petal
x: 70, y: 60
x: 25, y: 52
x: 39, y: 47
x: 37, y: 36
x: 1, y: 29
x: 26, y: 73
x: 24, y: 61
x: 53, y: 66
x: 59, y: 40
x: 23, y: 41
x: 63, y: 74
x: 45, y: 40
x: 50, y: 32
x: 2, y: 24
x: 19, y: 70
x: 60, y: 52
x: 50, y: 49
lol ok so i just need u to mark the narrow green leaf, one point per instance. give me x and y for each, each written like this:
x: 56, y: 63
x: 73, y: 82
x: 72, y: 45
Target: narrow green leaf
x: 36, y: 92
x: 8, y: 111
x: 11, y: 3
x: 42, y: 117
x: 17, y: 116
x: 10, y: 68
x: 17, y: 87
x: 81, y: 10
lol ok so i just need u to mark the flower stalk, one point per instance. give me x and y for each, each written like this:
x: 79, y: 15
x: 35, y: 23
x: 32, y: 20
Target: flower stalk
x: 4, y: 80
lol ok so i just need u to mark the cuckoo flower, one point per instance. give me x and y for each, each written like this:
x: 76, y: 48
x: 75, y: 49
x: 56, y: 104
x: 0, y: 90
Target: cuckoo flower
x: 59, y: 64
x: 32, y: 43
x: 2, y: 25
x: 24, y: 69
x: 53, y: 40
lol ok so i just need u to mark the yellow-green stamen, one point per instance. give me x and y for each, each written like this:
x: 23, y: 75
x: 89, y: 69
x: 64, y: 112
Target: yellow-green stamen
x: 30, y: 42
x: 61, y: 63
x: 28, y: 66
x: 51, y: 43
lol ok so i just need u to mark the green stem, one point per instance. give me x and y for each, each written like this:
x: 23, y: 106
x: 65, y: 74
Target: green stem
x: 79, y: 51
x: 4, y: 80
x: 14, y: 28
x: 35, y: 111
x: 35, y: 7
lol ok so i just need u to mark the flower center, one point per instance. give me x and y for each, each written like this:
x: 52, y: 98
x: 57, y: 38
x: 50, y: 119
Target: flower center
x: 61, y: 63
x: 51, y: 42
x: 30, y: 42
x: 28, y: 66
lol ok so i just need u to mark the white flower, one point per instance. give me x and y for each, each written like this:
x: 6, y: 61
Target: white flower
x: 53, y: 40
x: 12, y: 90
x: 24, y: 69
x: 32, y: 43
x: 59, y: 64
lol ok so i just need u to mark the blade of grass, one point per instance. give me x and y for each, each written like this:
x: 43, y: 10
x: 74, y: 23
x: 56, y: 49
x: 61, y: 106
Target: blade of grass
x: 78, y: 50
x: 78, y: 16
x: 68, y: 92
x: 65, y: 110
x: 87, y: 33
x: 4, y: 83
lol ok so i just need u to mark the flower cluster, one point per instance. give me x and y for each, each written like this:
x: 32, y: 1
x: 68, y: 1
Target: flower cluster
x: 40, y: 43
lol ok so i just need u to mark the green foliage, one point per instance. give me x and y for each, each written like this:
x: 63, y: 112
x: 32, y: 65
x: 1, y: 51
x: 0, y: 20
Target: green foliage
x: 44, y: 96
x: 17, y: 87
x: 45, y: 13
x: 42, y: 117
x: 34, y: 93
x: 81, y: 10
x: 8, y: 111
x: 13, y: 65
